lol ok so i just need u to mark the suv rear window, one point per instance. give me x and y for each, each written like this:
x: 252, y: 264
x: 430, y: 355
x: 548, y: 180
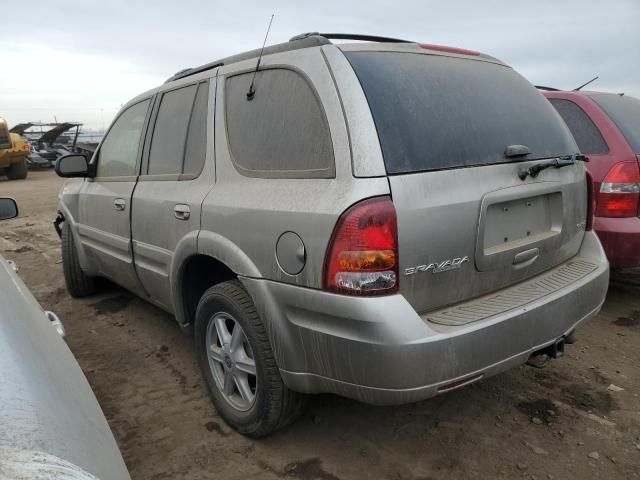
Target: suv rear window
x: 586, y: 134
x: 625, y: 112
x: 434, y: 112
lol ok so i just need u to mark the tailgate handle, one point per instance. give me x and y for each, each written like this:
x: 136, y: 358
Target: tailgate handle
x: 526, y: 256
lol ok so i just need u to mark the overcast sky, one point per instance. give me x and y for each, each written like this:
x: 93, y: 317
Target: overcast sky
x: 79, y: 60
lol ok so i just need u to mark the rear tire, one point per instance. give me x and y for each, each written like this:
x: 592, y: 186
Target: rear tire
x: 78, y: 283
x: 272, y: 405
x: 17, y: 171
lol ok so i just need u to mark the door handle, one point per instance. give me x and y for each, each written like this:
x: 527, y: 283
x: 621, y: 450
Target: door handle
x: 526, y: 258
x: 182, y: 212
x: 119, y: 204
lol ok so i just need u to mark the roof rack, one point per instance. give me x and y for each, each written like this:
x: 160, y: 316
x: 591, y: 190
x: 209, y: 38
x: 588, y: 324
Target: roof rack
x: 350, y: 36
x: 547, y: 89
x: 304, y: 40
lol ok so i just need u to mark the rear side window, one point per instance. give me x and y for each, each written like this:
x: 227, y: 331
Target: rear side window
x: 584, y: 131
x: 196, y: 149
x: 435, y: 112
x: 282, y: 131
x: 625, y: 112
x: 170, y: 132
x: 119, y: 150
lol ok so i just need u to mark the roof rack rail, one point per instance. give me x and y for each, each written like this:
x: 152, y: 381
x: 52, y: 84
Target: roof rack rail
x: 547, y: 89
x: 307, y: 41
x: 304, y: 40
x: 192, y: 71
x: 350, y: 36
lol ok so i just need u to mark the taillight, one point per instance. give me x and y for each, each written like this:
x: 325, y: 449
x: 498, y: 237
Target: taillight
x: 362, y: 258
x: 620, y: 191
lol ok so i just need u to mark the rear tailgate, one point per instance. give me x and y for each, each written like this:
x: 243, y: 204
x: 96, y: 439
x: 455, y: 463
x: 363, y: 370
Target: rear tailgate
x: 467, y: 232
x: 467, y: 224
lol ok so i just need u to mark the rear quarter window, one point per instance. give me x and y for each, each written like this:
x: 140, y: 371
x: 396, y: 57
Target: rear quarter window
x: 435, y: 112
x: 584, y: 131
x: 283, y: 131
x: 625, y: 112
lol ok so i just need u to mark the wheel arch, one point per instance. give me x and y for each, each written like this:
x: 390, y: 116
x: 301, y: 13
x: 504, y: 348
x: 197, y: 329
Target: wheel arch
x: 202, y: 260
x: 68, y: 218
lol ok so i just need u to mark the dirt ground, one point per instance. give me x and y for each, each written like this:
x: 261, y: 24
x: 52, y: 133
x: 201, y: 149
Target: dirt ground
x: 566, y: 421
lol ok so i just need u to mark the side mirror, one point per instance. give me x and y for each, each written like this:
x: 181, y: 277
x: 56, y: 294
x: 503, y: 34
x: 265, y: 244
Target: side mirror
x: 8, y: 208
x: 72, y: 165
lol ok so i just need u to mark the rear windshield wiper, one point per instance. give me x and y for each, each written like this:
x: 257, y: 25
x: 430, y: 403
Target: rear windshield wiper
x: 557, y: 162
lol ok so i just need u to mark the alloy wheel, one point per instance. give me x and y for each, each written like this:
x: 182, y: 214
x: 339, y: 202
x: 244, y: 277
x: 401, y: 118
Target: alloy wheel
x: 231, y: 361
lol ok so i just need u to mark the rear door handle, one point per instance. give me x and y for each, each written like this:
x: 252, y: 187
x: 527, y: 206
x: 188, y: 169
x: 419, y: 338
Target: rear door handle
x: 182, y: 212
x: 119, y: 204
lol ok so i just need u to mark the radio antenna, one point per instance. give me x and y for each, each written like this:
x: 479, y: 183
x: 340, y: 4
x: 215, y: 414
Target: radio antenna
x: 585, y: 84
x: 252, y: 91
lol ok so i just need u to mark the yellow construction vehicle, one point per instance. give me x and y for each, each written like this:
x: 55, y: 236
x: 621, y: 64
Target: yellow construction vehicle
x: 14, y: 150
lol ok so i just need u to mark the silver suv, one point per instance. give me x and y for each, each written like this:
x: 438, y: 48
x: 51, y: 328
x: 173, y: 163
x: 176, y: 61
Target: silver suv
x: 384, y: 220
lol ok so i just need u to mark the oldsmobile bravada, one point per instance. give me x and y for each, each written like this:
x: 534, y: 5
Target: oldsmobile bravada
x: 383, y: 220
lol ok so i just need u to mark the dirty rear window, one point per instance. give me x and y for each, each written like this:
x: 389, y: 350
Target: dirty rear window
x: 434, y: 112
x: 625, y: 112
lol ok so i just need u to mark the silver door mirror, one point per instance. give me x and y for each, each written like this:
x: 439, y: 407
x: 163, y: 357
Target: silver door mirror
x: 8, y: 208
x: 72, y: 165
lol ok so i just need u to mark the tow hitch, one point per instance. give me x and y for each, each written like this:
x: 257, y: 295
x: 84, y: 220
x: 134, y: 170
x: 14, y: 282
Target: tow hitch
x: 540, y: 358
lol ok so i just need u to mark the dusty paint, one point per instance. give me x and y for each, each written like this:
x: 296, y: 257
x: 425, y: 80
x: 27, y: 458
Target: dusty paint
x: 18, y: 464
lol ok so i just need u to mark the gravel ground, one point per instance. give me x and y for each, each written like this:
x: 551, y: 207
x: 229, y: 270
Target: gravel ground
x: 569, y: 420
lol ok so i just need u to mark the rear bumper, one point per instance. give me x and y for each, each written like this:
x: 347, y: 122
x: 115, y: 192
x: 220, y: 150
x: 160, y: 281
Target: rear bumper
x: 380, y: 351
x: 620, y: 239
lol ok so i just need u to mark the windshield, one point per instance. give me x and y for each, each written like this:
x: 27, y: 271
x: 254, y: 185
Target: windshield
x: 625, y: 112
x: 435, y: 112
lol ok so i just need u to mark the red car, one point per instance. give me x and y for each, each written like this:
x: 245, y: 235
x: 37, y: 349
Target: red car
x: 606, y: 127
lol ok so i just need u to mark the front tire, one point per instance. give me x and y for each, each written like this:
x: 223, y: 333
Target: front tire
x: 78, y: 283
x: 238, y: 364
x: 17, y: 171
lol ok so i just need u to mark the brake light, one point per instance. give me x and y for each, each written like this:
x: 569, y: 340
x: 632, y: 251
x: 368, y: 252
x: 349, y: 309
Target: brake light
x: 443, y: 48
x: 620, y: 191
x: 362, y: 257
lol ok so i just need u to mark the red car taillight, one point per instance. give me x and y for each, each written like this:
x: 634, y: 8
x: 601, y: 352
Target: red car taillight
x: 362, y: 257
x: 620, y: 191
